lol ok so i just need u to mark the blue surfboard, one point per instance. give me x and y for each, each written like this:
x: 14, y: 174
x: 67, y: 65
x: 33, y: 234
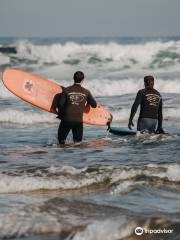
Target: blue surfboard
x: 122, y: 131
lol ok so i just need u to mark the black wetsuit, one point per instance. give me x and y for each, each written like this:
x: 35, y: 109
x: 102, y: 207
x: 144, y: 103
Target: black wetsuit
x: 150, y: 101
x: 71, y: 106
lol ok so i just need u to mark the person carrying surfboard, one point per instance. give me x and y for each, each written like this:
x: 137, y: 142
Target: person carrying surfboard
x: 150, y: 101
x: 71, y: 105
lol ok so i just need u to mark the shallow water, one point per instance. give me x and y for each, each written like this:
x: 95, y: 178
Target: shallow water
x: 107, y: 186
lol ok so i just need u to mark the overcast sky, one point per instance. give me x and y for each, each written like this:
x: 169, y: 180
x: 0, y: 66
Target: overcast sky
x: 48, y: 18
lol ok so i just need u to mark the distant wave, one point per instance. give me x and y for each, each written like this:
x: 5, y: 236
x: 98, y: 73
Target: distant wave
x: 148, y: 55
x: 107, y: 87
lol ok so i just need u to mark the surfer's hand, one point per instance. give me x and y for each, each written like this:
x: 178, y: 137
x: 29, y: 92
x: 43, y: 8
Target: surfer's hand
x: 59, y: 117
x: 160, y: 131
x: 130, y: 124
x: 109, y: 121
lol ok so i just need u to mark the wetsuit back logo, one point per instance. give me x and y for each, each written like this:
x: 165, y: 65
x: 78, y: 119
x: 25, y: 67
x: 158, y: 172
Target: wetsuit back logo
x: 153, y: 99
x: 76, y: 98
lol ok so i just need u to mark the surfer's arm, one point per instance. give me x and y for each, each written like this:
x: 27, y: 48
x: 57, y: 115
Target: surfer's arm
x: 135, y: 105
x: 91, y: 101
x: 160, y: 115
x: 62, y: 102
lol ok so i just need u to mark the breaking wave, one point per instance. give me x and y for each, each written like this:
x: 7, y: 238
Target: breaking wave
x: 68, y: 178
x: 78, y: 221
x: 106, y: 87
x: 152, y: 54
x: 104, y: 63
x: 41, y: 219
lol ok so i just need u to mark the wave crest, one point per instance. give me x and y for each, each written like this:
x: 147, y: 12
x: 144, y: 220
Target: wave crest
x: 68, y: 178
x: 152, y: 55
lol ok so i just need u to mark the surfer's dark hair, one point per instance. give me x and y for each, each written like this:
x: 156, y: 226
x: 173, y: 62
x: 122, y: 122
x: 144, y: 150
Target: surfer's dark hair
x: 78, y: 76
x: 149, y: 81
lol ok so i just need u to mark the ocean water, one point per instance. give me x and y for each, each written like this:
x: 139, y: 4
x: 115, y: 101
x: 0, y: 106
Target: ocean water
x: 106, y: 187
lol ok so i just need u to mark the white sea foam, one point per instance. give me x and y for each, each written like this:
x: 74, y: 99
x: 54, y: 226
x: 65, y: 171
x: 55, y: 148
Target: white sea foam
x: 110, y: 58
x: 61, y: 218
x: 124, y: 184
x: 123, y: 187
x: 35, y: 220
x: 71, y: 178
x: 106, y: 87
x: 171, y: 171
x: 123, y: 114
x: 66, y: 169
x: 4, y: 93
x: 106, y: 230
x: 129, y: 55
x: 21, y: 223
x: 31, y: 182
x: 32, y: 117
x: 26, y: 117
x: 4, y: 59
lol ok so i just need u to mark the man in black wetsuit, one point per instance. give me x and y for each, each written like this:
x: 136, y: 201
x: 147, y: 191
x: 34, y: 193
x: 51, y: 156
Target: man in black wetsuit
x: 150, y: 100
x: 72, y: 103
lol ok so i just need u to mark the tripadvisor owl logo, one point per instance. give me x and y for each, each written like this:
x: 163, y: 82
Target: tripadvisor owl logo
x: 139, y: 231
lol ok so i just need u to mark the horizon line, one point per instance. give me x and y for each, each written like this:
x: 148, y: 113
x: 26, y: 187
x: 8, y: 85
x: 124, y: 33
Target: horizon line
x: 139, y: 36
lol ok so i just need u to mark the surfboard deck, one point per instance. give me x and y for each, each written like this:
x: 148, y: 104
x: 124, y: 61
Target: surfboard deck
x: 122, y: 131
x: 44, y: 94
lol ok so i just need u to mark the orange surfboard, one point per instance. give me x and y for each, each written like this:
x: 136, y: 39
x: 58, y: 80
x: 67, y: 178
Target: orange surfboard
x: 44, y: 94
